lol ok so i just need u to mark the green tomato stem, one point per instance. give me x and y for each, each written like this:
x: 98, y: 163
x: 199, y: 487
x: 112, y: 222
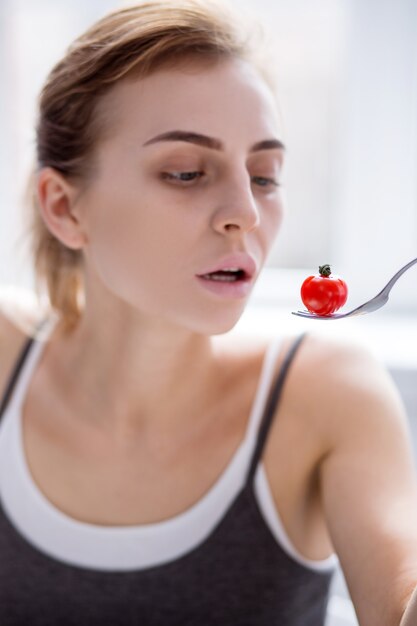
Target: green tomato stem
x: 325, y: 270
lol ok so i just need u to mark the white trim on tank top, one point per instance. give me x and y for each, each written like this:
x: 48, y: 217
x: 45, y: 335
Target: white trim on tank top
x: 126, y: 548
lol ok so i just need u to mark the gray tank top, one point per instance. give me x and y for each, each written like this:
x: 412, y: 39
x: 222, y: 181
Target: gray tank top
x: 238, y: 576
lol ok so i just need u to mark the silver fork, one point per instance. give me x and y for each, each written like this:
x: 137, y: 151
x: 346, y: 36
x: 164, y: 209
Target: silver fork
x: 374, y: 304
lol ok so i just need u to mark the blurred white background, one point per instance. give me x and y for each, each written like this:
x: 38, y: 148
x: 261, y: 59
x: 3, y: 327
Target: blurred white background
x: 347, y: 78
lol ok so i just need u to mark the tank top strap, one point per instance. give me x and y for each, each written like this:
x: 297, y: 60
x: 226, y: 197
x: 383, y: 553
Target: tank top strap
x: 18, y: 367
x: 271, y: 407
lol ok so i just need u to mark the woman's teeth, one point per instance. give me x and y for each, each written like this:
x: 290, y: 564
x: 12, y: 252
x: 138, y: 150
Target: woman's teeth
x: 230, y: 275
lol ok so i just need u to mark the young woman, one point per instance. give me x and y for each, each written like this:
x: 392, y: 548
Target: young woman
x: 154, y: 469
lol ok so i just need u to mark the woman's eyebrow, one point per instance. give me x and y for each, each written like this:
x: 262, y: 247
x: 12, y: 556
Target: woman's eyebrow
x: 211, y: 142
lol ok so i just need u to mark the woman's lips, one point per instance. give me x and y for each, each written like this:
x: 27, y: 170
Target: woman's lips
x: 238, y: 260
x: 227, y: 289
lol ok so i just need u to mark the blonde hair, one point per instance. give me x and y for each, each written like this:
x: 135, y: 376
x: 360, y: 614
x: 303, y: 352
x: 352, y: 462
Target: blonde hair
x: 136, y: 40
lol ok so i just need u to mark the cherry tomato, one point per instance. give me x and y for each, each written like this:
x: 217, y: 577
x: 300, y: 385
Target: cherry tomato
x: 323, y: 294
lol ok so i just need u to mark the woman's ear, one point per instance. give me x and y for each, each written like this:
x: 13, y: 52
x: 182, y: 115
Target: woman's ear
x: 57, y: 198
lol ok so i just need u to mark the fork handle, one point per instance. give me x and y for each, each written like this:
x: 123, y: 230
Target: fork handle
x: 398, y: 274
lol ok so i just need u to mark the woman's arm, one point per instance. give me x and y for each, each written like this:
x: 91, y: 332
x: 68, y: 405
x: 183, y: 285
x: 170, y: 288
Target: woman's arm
x: 368, y: 483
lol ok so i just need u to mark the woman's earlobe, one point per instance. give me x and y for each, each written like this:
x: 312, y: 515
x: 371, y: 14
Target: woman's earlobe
x: 56, y: 199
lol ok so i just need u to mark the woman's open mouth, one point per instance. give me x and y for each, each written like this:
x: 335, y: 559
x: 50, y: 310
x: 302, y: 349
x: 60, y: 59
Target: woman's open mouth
x: 232, y: 283
x: 230, y: 276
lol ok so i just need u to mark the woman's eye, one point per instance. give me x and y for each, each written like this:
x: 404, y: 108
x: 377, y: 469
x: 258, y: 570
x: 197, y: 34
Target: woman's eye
x: 182, y: 177
x: 186, y: 179
x: 262, y: 181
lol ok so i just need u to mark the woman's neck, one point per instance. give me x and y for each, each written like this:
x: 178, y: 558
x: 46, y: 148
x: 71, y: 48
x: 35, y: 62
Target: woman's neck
x: 128, y: 375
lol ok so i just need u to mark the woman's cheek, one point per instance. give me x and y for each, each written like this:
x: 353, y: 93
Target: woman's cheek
x: 274, y: 215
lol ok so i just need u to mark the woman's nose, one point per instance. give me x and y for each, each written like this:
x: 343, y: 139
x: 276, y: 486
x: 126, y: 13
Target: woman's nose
x: 237, y: 208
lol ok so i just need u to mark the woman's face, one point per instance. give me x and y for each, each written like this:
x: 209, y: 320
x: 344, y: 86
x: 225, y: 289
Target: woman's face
x: 163, y: 209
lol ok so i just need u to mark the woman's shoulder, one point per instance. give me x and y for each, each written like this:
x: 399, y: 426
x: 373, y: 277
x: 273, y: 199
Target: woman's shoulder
x: 20, y: 313
x: 340, y: 385
x: 20, y: 310
x: 339, y: 361
x: 324, y: 369
x: 320, y: 357
x: 331, y: 379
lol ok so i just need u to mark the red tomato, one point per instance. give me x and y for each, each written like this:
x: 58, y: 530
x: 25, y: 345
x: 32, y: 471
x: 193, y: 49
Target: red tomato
x: 323, y: 294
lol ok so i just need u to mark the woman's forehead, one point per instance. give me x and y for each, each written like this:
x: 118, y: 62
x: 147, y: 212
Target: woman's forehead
x: 229, y: 96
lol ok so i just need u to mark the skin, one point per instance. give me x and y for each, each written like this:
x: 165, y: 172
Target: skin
x: 145, y: 309
x: 338, y: 457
